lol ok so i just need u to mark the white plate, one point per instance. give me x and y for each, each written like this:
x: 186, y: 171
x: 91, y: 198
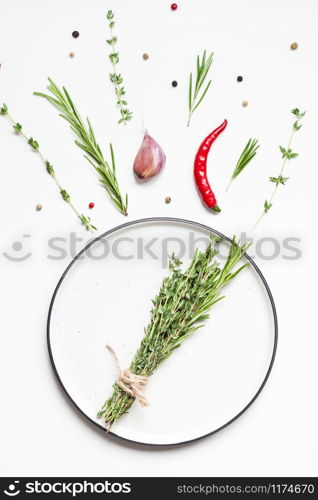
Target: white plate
x: 104, y: 297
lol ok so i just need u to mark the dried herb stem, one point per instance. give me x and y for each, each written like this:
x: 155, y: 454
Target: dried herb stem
x: 116, y: 78
x: 49, y: 168
x: 287, y: 154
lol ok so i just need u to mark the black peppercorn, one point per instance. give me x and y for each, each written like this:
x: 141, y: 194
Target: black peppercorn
x: 75, y: 34
x: 239, y: 78
x: 174, y: 83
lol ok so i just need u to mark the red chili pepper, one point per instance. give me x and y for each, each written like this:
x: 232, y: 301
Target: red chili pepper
x: 200, y: 166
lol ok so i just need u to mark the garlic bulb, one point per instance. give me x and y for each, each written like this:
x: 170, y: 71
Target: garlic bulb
x: 150, y: 158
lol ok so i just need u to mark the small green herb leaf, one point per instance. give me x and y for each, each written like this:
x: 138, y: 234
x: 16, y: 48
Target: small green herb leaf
x: 279, y: 180
x: 114, y: 57
x: 33, y: 143
x: 267, y: 206
x: 297, y: 125
x: 66, y: 197
x: 3, y: 109
x: 49, y: 168
x: 298, y: 113
x: 116, y: 79
x: 17, y: 127
x: 86, y: 221
x: 112, y: 40
x: 289, y: 154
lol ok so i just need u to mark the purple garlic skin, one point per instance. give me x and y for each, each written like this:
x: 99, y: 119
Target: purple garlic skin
x: 150, y: 159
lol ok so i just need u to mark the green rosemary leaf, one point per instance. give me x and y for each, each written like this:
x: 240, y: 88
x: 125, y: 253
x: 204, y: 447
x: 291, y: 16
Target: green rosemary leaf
x: 112, y: 158
x: 85, y: 140
x: 203, y: 95
x: 202, y: 69
x: 246, y: 157
x: 190, y: 91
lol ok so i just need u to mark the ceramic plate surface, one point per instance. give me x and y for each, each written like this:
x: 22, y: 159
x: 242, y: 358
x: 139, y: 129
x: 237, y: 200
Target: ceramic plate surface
x: 104, y: 297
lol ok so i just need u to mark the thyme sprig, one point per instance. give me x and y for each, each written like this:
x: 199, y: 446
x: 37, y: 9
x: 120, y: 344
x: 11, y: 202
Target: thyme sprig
x: 86, y: 140
x: 115, y: 77
x: 179, y: 310
x: 287, y: 155
x: 49, y: 168
x: 247, y: 155
x: 196, y: 95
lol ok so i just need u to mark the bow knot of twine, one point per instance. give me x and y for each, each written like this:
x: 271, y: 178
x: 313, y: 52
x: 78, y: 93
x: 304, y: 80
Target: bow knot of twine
x: 131, y: 383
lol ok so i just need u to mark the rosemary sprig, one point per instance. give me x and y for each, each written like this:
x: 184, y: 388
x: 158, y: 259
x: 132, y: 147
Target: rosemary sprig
x: 49, y: 168
x: 87, y: 142
x: 116, y: 78
x: 179, y: 310
x: 287, y: 154
x: 247, y: 155
x: 202, y: 70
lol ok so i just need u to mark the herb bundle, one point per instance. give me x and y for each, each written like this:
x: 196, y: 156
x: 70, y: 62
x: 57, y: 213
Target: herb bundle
x: 247, y: 155
x: 196, y: 96
x: 49, y: 168
x: 116, y: 78
x: 179, y: 309
x: 287, y: 154
x: 87, y: 142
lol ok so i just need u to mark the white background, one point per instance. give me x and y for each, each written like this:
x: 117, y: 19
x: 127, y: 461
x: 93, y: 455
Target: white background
x: 40, y: 433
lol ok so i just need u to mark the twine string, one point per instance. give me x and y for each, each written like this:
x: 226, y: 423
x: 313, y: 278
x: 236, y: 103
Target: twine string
x: 131, y: 383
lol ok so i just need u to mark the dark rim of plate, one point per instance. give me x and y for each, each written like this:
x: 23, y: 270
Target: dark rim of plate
x: 186, y: 222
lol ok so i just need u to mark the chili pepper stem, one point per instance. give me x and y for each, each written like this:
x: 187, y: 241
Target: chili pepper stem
x: 216, y: 208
